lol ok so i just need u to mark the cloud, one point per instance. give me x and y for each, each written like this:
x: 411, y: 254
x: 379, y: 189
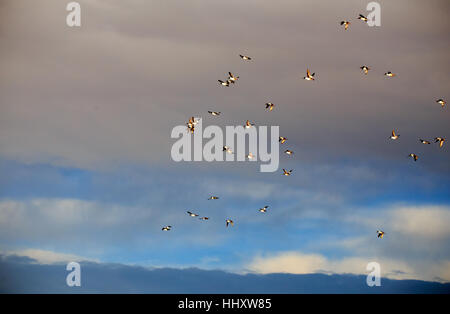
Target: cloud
x: 63, y: 213
x: 406, y: 251
x: 45, y: 256
x: 100, y: 107
x: 428, y: 221
x: 300, y: 263
x: 20, y: 275
x: 415, y: 245
x: 103, y: 229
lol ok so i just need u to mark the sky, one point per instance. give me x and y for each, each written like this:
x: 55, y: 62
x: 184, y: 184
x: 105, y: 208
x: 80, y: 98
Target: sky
x: 86, y: 115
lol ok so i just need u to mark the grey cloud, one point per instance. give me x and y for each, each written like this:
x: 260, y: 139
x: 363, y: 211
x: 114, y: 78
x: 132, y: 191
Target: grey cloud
x: 116, y: 278
x: 110, y: 92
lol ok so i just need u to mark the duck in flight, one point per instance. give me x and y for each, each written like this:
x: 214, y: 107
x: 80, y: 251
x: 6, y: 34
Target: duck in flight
x: 224, y: 83
x: 288, y: 152
x: 213, y: 198
x: 191, y: 124
x: 204, y: 218
x: 231, y: 78
x: 264, y: 209
x: 166, y: 228
x: 389, y: 74
x: 424, y: 141
x: 380, y: 234
x: 346, y: 24
x: 441, y: 102
x: 227, y: 149
x: 394, y: 136
x: 250, y: 156
x: 362, y: 18
x: 191, y: 128
x: 248, y: 124
x: 309, y: 76
x: 270, y: 106
x: 282, y: 139
x: 287, y: 173
x: 413, y: 156
x: 439, y: 140
x: 365, y: 69
x: 192, y: 214
x: 247, y: 58
x: 229, y: 221
x: 214, y: 113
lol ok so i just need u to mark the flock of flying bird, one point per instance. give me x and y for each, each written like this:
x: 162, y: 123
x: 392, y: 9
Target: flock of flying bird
x: 232, y: 79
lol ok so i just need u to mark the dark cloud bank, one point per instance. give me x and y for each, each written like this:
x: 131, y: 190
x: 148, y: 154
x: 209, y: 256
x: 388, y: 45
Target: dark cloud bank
x: 23, y: 275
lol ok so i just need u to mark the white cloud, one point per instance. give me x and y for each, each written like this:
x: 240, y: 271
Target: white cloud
x: 96, y: 227
x: 67, y: 212
x: 425, y: 221
x: 47, y: 257
x: 428, y: 221
x: 412, y: 248
x: 294, y: 262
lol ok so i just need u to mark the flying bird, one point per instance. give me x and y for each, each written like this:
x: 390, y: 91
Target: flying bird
x: 362, y: 18
x: 248, y: 125
x: 213, y: 198
x: 424, y: 141
x: 394, y: 136
x: 214, y: 113
x: 191, y: 124
x: 229, y: 221
x: 282, y: 139
x: 192, y: 214
x: 441, y: 140
x: 414, y: 156
x: 264, y: 209
x: 309, y: 76
x: 365, y: 69
x: 231, y: 78
x: 204, y: 218
x: 166, y: 228
x: 247, y: 58
x: 441, y: 102
x: 389, y: 74
x: 269, y: 106
x: 346, y: 24
x: 250, y: 156
x: 287, y: 173
x: 191, y: 128
x: 289, y: 152
x: 380, y: 234
x: 227, y: 149
x: 224, y: 83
